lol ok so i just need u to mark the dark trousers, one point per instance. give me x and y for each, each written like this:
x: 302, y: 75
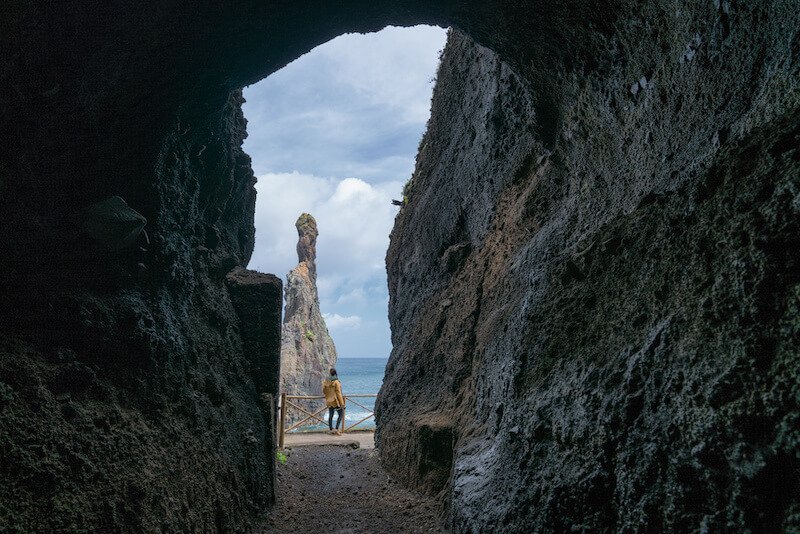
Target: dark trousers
x: 330, y: 417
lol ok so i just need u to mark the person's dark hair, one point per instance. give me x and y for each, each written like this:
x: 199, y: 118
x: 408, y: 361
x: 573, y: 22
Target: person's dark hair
x: 333, y: 372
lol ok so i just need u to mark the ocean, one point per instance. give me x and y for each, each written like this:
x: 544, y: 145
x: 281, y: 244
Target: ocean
x: 359, y: 376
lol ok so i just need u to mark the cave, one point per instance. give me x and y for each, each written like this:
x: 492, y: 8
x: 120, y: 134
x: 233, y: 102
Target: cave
x: 593, y: 286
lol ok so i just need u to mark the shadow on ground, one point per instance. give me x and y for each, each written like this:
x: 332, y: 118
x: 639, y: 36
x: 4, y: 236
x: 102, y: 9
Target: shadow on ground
x: 325, y: 488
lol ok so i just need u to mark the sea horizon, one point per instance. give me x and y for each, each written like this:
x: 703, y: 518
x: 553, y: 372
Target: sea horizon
x: 359, y: 376
x: 362, y: 358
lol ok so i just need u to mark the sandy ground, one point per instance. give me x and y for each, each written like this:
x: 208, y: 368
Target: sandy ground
x: 341, y: 489
x: 356, y: 440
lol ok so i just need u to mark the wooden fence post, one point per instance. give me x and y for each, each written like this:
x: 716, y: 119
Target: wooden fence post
x: 282, y: 422
x: 344, y: 412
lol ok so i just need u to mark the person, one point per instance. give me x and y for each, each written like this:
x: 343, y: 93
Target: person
x: 332, y: 389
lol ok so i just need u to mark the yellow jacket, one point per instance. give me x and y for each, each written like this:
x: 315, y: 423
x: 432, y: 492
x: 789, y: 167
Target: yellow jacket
x: 332, y: 389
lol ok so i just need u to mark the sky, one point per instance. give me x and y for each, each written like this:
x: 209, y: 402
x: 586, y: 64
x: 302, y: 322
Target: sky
x: 335, y: 134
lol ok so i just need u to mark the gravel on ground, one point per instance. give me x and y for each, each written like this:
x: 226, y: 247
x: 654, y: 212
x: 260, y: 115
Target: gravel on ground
x: 333, y: 489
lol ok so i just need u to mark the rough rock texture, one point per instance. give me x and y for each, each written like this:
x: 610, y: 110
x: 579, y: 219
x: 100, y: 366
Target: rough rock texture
x: 127, y: 399
x: 128, y: 402
x: 256, y: 297
x: 595, y: 311
x: 307, y: 349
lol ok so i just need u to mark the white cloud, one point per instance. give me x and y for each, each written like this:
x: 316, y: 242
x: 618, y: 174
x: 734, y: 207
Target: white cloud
x: 354, y: 296
x: 355, y: 106
x: 334, y: 321
x: 390, y: 68
x: 354, y: 220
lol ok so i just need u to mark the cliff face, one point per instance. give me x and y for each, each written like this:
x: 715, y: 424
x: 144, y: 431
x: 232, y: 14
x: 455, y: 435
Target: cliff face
x: 594, y: 296
x: 307, y: 350
x: 600, y: 328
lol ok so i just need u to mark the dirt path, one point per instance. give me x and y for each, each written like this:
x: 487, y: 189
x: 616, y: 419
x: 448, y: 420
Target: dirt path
x: 356, y: 440
x: 331, y: 489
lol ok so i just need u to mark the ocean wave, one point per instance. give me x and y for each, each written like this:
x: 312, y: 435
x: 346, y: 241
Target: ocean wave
x: 350, y: 417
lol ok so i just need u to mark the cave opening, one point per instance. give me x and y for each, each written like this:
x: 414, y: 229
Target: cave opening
x: 335, y: 134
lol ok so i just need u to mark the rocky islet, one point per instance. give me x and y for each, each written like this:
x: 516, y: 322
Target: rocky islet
x: 307, y: 349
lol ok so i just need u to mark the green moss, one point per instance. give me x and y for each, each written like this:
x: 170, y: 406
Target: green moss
x: 408, y: 188
x: 305, y: 222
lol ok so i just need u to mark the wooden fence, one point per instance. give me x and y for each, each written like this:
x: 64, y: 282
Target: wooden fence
x: 312, y: 418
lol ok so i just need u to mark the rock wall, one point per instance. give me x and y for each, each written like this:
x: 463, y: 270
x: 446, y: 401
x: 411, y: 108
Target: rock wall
x: 128, y: 403
x: 307, y: 349
x: 598, y: 302
x: 594, y: 302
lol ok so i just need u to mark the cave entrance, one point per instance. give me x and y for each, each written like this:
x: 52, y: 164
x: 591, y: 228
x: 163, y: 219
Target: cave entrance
x: 335, y: 134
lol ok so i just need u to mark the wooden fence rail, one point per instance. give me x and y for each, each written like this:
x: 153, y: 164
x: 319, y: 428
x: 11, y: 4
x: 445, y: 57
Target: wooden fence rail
x: 312, y: 417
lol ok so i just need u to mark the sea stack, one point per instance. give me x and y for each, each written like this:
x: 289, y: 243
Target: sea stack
x: 307, y: 349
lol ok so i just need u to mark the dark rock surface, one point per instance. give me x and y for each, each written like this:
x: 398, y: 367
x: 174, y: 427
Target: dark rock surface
x: 307, y: 349
x: 257, y: 299
x: 593, y: 286
x: 600, y: 330
x: 129, y: 403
